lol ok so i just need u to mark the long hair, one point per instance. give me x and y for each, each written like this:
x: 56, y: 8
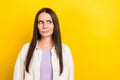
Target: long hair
x: 56, y: 36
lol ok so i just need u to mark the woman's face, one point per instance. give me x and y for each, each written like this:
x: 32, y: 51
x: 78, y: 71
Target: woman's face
x: 45, y: 25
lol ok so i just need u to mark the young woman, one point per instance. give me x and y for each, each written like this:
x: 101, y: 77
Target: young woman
x: 45, y: 57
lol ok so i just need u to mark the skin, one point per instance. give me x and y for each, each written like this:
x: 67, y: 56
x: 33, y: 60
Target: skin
x: 46, y: 27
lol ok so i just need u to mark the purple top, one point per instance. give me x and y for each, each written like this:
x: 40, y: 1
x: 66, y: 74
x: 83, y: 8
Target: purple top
x: 46, y: 70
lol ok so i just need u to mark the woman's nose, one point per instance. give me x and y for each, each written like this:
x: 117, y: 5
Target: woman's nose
x: 45, y: 25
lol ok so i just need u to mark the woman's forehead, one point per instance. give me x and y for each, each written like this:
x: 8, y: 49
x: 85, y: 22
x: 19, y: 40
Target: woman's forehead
x: 44, y: 16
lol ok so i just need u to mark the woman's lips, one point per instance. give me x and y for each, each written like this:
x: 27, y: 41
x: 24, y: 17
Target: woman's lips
x: 45, y: 31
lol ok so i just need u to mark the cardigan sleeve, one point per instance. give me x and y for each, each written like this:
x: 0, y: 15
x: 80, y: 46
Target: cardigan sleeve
x: 70, y: 63
x: 71, y: 70
x: 19, y: 68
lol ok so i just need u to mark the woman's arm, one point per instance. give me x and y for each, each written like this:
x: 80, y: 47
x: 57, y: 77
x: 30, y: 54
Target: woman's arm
x: 19, y: 68
x: 71, y: 65
x: 69, y: 62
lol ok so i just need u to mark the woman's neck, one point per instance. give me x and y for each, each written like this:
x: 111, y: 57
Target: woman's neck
x: 46, y: 43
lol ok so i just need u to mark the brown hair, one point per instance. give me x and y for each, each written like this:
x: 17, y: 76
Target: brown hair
x: 56, y: 36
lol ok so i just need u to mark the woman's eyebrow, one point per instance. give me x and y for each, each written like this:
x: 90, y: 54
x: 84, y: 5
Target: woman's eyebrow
x: 49, y: 20
x: 40, y: 20
x: 45, y: 20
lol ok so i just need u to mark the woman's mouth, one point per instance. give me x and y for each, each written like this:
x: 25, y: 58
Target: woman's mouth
x: 45, y: 31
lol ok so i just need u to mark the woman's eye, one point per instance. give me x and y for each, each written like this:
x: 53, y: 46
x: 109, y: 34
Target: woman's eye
x: 40, y: 22
x: 49, y: 22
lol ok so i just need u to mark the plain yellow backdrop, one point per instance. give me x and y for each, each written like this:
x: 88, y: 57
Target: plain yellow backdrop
x: 90, y: 27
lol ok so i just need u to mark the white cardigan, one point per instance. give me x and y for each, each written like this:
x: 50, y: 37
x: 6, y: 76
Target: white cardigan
x: 34, y: 68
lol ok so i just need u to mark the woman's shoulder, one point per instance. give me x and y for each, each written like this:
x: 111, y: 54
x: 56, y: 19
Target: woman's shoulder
x: 65, y: 46
x: 24, y: 50
x: 66, y: 49
x: 26, y: 45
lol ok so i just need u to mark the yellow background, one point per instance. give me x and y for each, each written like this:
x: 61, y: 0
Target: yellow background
x: 90, y: 27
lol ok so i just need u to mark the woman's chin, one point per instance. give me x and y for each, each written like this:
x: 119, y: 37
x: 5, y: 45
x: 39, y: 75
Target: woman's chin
x: 46, y: 35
